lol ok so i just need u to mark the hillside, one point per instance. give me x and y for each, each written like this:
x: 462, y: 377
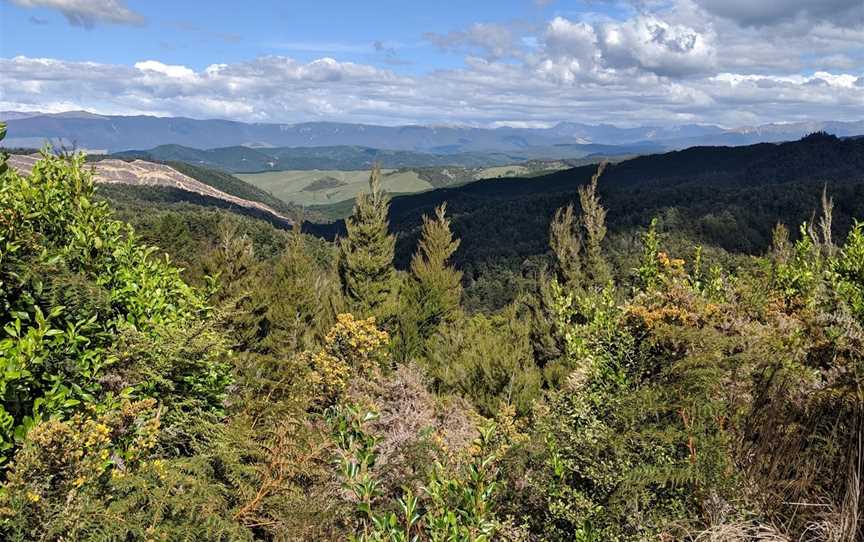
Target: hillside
x: 239, y: 159
x: 725, y: 196
x: 331, y: 192
x: 243, y: 389
x: 155, y: 180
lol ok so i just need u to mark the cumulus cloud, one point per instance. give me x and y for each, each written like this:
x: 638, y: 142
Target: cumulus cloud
x: 174, y: 72
x: 265, y: 88
x: 484, y: 92
x: 767, y: 12
x: 667, y: 61
x: 565, y: 38
x: 652, y: 44
x: 87, y: 13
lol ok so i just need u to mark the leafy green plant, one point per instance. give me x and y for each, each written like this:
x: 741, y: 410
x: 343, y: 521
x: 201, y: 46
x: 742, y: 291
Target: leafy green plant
x: 73, y: 280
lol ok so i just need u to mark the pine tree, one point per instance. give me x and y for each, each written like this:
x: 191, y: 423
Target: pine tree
x: 366, y: 254
x: 577, y: 241
x: 566, y: 242
x: 434, y: 290
x: 594, y: 221
x: 439, y: 285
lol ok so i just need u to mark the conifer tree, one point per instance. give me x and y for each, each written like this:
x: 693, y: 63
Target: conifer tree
x: 566, y: 242
x: 434, y: 290
x: 366, y: 254
x: 594, y: 221
x: 576, y: 242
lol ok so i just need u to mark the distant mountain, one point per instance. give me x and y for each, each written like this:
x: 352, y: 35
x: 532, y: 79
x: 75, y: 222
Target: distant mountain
x: 216, y: 186
x: 15, y: 115
x: 239, y: 159
x: 120, y: 133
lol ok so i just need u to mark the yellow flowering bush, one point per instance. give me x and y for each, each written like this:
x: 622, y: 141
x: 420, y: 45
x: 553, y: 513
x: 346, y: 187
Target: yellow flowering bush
x: 351, y: 347
x: 60, y: 458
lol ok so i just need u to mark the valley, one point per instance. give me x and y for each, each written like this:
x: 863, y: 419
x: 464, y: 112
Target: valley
x: 332, y: 191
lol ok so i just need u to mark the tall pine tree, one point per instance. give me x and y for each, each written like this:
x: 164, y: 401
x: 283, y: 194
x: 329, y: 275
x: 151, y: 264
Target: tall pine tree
x: 434, y: 290
x: 594, y: 221
x: 366, y: 254
x: 579, y: 267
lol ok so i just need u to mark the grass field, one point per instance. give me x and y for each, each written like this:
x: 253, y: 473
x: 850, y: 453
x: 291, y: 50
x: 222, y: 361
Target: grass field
x: 321, y: 187
x: 331, y: 192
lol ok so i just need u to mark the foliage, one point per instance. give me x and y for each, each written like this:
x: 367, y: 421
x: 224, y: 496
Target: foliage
x: 451, y: 506
x: 366, y: 254
x: 72, y: 281
x: 3, y: 155
x: 626, y: 395
x: 487, y: 359
x: 352, y: 349
x: 431, y: 296
x: 594, y: 221
x: 849, y: 269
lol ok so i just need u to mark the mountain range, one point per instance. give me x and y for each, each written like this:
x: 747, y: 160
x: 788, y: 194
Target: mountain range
x: 111, y: 133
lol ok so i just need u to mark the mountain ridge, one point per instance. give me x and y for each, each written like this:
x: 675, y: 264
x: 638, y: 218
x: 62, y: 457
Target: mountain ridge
x: 242, y: 159
x: 120, y: 133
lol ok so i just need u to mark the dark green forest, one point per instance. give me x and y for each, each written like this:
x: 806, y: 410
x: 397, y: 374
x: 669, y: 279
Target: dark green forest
x: 727, y: 199
x: 669, y: 348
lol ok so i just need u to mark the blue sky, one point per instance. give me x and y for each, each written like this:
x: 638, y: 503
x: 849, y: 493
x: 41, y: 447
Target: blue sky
x: 518, y: 62
x: 197, y: 33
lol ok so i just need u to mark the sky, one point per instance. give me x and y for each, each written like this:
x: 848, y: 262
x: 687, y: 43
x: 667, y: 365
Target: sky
x: 479, y: 62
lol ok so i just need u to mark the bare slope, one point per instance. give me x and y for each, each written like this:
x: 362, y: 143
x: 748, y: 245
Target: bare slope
x: 141, y: 173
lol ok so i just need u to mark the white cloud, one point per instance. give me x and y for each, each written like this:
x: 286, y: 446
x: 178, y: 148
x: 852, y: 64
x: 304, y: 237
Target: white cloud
x: 842, y: 81
x: 670, y: 61
x: 655, y: 45
x: 769, y: 12
x: 87, y: 12
x: 532, y: 93
x: 578, y: 40
x: 176, y: 72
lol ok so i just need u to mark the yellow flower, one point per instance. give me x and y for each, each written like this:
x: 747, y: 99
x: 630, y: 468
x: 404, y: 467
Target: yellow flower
x: 33, y: 497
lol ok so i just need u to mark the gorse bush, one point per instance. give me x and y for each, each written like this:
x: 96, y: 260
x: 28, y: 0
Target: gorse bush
x: 638, y: 388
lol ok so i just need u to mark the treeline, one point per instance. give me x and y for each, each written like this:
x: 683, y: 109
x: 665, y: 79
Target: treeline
x: 285, y: 388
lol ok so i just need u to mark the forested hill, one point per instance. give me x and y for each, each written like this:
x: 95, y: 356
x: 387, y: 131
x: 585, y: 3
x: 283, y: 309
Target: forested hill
x: 816, y: 157
x: 724, y: 196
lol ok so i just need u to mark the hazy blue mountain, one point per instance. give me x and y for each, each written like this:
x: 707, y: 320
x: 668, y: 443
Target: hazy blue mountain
x: 115, y: 133
x: 15, y: 115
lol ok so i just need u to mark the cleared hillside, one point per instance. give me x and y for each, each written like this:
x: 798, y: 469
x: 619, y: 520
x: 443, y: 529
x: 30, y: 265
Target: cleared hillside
x: 139, y: 173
